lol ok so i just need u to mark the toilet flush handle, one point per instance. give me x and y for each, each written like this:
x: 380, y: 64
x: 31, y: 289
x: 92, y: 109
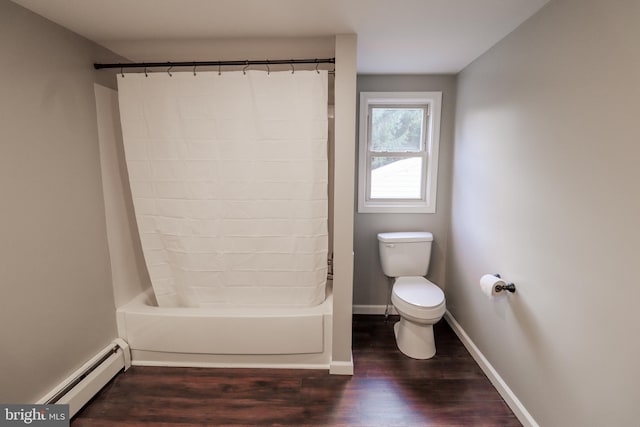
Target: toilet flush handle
x: 390, y: 245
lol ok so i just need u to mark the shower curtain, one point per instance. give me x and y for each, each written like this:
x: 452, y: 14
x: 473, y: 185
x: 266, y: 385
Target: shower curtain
x: 228, y: 175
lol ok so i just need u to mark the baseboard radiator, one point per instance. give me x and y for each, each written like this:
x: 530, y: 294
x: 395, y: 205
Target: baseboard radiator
x: 79, y: 387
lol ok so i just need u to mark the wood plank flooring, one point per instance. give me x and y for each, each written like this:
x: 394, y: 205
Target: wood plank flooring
x: 388, y: 389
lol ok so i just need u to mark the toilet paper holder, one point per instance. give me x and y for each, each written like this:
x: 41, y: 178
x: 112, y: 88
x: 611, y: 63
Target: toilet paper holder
x: 511, y: 287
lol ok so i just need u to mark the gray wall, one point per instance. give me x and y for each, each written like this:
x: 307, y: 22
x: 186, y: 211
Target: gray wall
x: 370, y: 286
x: 56, y: 308
x: 545, y: 192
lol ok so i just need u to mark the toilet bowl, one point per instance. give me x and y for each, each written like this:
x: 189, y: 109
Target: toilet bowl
x: 419, y: 302
x: 420, y: 305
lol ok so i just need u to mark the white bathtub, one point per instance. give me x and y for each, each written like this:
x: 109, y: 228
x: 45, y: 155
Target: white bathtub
x: 257, y: 337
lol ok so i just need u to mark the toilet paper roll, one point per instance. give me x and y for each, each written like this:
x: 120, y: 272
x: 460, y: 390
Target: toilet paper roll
x: 488, y: 284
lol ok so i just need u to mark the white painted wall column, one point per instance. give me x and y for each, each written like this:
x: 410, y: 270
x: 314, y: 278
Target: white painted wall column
x: 345, y: 139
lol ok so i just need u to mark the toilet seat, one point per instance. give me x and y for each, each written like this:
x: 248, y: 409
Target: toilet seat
x: 417, y: 297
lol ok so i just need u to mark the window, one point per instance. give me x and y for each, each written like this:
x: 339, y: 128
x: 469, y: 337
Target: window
x: 399, y: 135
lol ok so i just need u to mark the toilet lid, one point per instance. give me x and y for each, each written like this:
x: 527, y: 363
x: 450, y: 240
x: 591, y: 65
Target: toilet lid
x: 418, y: 291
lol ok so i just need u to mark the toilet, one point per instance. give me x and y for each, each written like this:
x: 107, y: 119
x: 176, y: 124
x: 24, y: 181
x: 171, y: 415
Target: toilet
x: 420, y: 303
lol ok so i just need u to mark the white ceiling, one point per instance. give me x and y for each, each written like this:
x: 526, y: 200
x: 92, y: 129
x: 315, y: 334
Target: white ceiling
x: 394, y: 36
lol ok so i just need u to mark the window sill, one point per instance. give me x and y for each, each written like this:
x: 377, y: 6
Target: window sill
x: 395, y: 209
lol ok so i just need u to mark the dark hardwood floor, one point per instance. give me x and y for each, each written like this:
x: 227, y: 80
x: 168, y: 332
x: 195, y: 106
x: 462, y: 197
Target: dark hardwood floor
x: 387, y: 389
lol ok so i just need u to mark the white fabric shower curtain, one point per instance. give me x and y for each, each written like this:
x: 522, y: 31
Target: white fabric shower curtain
x: 228, y: 175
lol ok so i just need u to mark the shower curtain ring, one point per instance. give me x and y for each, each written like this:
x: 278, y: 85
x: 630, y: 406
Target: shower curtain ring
x: 219, y: 69
x: 145, y: 71
x: 169, y: 69
x: 317, y: 63
x: 293, y: 70
x: 268, y: 70
x: 194, y: 68
x: 121, y: 72
x: 245, y: 68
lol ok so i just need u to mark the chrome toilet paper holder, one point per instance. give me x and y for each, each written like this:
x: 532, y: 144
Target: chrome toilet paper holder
x: 510, y: 287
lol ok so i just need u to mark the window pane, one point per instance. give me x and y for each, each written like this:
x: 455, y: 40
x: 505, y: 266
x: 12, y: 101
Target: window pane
x: 396, y: 178
x: 396, y: 129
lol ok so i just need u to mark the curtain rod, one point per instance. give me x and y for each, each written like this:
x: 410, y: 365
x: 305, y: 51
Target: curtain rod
x: 214, y: 63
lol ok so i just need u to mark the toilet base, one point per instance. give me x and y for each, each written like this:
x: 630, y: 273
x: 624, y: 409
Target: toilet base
x: 414, y: 340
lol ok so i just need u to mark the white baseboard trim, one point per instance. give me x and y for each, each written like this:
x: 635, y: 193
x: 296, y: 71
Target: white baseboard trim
x: 93, y: 382
x: 373, y: 309
x: 507, y: 394
x: 341, y: 368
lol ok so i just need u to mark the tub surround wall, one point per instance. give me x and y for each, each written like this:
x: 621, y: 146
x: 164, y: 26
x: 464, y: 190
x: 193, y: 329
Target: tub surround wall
x: 57, y: 308
x: 128, y: 270
x: 545, y: 192
x: 371, y: 287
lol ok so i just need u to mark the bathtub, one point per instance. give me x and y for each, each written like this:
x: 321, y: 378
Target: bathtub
x: 251, y: 337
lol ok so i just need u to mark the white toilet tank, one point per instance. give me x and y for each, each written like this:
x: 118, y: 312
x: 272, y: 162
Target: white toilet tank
x: 405, y: 253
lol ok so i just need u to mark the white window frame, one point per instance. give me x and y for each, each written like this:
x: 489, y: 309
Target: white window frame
x: 427, y: 204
